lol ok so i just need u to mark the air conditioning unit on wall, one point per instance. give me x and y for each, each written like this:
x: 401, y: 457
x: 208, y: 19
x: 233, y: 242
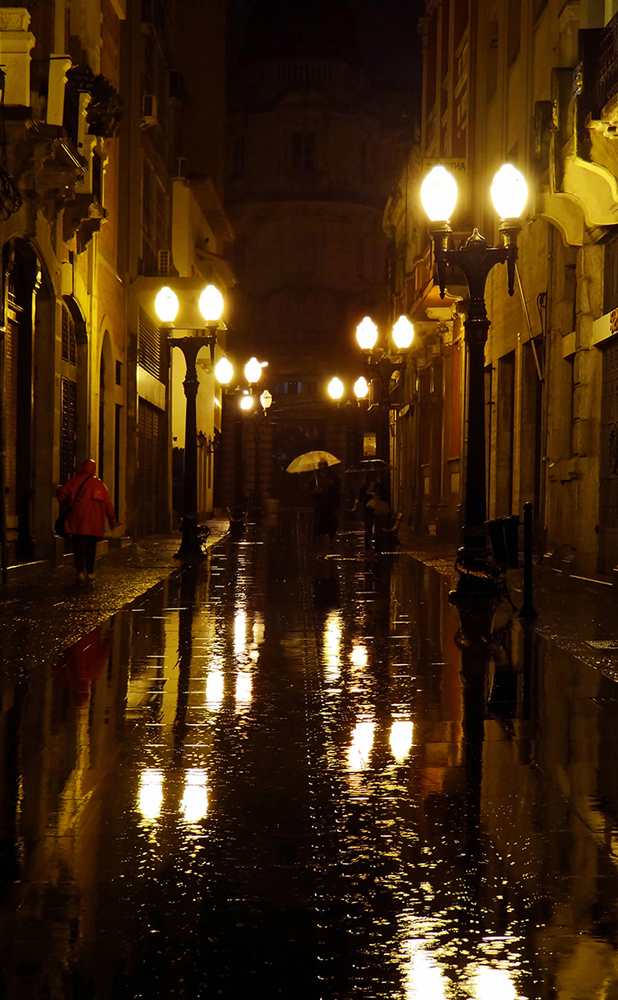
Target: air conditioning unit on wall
x: 150, y: 111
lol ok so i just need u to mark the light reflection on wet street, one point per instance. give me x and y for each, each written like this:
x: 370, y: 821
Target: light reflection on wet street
x: 276, y: 776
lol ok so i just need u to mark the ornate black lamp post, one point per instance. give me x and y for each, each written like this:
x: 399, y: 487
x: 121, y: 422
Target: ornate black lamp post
x: 248, y: 403
x: 380, y: 366
x: 475, y: 259
x: 211, y: 307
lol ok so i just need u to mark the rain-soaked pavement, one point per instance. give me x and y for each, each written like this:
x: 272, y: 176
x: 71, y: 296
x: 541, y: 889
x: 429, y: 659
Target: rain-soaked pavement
x: 272, y: 776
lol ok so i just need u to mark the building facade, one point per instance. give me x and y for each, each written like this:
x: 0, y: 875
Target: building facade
x: 103, y: 180
x: 527, y: 82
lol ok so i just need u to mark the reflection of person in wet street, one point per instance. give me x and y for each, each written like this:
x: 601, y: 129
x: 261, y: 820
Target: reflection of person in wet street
x: 89, y: 504
x: 325, y: 584
x: 84, y: 661
x: 326, y: 502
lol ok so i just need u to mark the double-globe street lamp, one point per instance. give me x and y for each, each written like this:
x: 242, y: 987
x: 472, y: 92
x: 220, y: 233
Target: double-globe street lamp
x: 380, y: 366
x: 475, y: 259
x: 248, y: 402
x: 167, y: 305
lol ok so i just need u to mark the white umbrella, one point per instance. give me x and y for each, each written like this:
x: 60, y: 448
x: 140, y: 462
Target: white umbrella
x: 310, y: 461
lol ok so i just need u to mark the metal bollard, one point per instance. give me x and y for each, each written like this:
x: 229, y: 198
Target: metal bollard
x: 527, y: 609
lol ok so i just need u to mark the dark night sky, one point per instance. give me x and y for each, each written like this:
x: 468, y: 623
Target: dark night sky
x: 388, y: 30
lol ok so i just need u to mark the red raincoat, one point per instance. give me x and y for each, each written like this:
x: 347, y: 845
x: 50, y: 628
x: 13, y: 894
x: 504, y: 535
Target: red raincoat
x: 87, y: 515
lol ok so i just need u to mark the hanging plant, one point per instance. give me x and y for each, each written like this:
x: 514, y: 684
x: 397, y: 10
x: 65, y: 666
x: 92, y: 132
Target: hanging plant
x: 104, y: 111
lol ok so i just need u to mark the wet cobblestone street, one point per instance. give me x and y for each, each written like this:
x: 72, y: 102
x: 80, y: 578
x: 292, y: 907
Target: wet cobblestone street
x: 279, y: 776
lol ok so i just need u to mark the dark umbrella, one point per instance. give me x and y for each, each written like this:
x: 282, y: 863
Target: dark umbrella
x: 370, y: 465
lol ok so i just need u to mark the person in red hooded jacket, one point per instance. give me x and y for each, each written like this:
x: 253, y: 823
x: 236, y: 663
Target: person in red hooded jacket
x: 88, y: 505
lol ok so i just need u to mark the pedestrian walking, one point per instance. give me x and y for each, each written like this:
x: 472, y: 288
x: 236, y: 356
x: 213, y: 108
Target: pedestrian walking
x: 326, y: 502
x: 372, y: 505
x: 87, y: 505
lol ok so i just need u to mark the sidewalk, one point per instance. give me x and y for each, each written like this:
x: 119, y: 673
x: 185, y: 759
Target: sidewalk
x: 580, y: 616
x: 45, y: 613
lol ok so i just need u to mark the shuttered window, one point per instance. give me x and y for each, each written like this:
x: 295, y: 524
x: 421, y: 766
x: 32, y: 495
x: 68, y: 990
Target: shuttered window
x: 149, y: 345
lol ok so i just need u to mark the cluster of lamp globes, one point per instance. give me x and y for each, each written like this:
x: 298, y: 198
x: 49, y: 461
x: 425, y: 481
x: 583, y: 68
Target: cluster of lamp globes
x: 509, y: 193
x: 211, y: 307
x: 367, y: 335
x: 224, y: 373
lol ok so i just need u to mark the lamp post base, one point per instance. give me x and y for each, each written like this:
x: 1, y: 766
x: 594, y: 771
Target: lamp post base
x: 192, y: 545
x: 480, y: 581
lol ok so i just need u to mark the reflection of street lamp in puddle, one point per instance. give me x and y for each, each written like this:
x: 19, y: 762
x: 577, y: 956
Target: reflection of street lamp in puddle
x: 240, y: 632
x: 332, y: 644
x: 151, y: 793
x: 425, y: 979
x: 361, y: 745
x: 359, y: 656
x: 493, y: 984
x: 194, y: 805
x: 258, y: 630
x: 244, y: 686
x: 401, y: 739
x: 214, y: 690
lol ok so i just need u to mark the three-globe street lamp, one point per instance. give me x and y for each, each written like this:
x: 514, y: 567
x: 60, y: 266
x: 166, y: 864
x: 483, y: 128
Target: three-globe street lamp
x: 248, y: 401
x: 475, y: 259
x: 380, y: 366
x: 167, y: 305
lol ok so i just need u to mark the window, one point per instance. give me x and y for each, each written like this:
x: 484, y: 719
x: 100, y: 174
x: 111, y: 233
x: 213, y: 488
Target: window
x: 69, y: 344
x: 149, y: 345
x: 370, y: 446
x: 303, y: 151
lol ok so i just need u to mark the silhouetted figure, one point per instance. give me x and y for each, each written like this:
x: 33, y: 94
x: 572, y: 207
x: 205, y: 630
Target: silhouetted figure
x: 326, y: 502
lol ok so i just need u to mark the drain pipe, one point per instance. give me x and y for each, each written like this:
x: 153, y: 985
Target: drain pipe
x: 524, y: 306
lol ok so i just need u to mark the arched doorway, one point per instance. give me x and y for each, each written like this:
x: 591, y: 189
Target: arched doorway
x: 22, y: 280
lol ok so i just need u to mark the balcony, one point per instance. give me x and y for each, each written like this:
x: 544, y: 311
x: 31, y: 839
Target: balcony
x: 576, y: 133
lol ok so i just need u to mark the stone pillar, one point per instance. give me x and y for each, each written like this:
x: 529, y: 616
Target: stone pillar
x: 15, y: 45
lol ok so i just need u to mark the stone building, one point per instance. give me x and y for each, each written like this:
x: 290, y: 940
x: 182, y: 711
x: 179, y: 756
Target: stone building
x: 309, y: 162
x: 529, y: 82
x: 96, y: 116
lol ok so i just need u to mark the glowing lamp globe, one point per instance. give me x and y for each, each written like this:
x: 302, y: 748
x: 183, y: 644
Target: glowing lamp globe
x: 335, y: 388
x: 224, y: 371
x: 439, y: 194
x: 253, y: 371
x: 509, y: 192
x: 361, y: 388
x: 211, y: 304
x: 246, y: 403
x: 403, y: 333
x: 266, y: 399
x: 166, y: 305
x: 366, y: 334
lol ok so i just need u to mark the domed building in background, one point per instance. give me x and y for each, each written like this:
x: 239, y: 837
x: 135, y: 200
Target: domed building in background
x: 309, y: 167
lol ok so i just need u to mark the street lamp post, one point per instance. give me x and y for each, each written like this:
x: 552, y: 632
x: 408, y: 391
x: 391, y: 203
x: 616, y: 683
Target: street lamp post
x: 248, y: 401
x: 380, y: 366
x: 211, y: 307
x: 475, y: 259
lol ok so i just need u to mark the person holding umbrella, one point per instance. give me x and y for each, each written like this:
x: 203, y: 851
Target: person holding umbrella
x: 326, y: 502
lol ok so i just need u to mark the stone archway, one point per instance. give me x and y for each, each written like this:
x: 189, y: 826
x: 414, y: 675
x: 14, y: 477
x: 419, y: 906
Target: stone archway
x: 29, y: 404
